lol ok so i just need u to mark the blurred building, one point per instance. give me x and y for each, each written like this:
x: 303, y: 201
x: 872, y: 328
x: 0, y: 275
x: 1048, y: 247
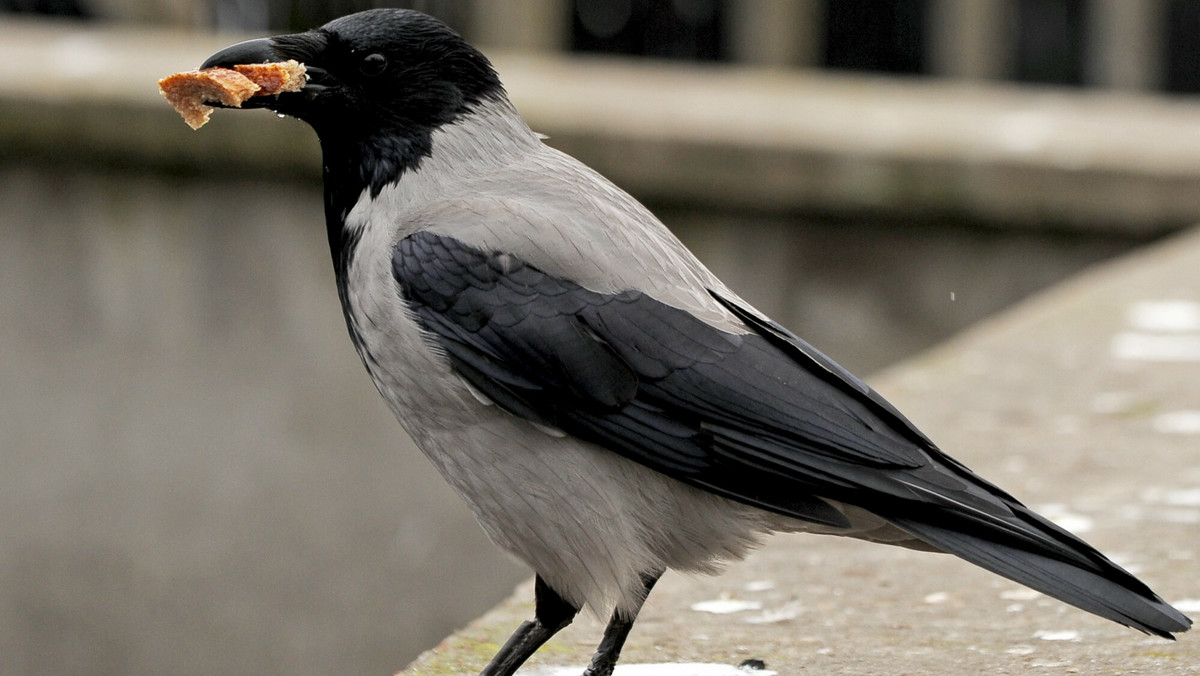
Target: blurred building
x: 1139, y: 45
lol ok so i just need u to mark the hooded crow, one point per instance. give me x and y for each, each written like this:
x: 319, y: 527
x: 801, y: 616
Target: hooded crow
x: 604, y: 404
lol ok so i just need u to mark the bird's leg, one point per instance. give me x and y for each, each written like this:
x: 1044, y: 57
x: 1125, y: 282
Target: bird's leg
x: 605, y: 659
x: 551, y: 613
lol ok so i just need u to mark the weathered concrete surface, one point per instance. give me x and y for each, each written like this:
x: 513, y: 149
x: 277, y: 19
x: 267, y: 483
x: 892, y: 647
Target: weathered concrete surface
x: 1083, y: 402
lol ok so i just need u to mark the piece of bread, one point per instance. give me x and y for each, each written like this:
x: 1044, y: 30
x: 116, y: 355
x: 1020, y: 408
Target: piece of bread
x: 276, y: 77
x: 188, y: 91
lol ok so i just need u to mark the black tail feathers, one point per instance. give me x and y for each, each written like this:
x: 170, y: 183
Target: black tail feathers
x: 1088, y: 580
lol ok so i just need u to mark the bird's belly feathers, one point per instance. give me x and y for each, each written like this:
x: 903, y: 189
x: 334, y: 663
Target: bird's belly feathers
x: 589, y: 521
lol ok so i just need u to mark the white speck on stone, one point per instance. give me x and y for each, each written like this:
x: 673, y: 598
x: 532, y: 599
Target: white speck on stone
x: 1061, y: 635
x: 784, y: 613
x: 1155, y: 347
x: 1177, y: 422
x: 1187, y: 605
x: 1059, y: 514
x: 937, y: 597
x: 682, y: 669
x: 1021, y: 650
x: 1126, y: 561
x: 726, y: 606
x: 1165, y: 316
x: 1019, y: 594
x: 759, y: 586
x: 1187, y: 497
x: 1014, y: 607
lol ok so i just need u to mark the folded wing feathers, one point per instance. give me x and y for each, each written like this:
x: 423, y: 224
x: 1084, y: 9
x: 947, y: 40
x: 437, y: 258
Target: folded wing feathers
x: 763, y: 417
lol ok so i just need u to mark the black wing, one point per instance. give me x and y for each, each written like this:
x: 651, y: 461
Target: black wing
x: 762, y: 417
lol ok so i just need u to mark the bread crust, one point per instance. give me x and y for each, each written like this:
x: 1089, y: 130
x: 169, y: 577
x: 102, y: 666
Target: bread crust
x: 190, y: 91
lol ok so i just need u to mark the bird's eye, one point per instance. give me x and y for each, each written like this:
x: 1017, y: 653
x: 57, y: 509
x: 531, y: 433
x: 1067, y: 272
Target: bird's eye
x: 373, y: 64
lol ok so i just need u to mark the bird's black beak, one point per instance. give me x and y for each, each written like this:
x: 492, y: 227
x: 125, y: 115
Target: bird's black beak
x: 261, y: 50
x: 251, y: 51
x: 300, y: 47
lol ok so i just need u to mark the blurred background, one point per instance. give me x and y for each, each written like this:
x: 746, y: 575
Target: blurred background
x: 196, y: 476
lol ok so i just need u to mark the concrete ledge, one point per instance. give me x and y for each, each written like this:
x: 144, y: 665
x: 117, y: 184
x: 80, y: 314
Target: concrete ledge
x: 768, y: 141
x: 1045, y: 400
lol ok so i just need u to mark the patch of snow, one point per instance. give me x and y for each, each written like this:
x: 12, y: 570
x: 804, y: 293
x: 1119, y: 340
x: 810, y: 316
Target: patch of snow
x: 1021, y: 594
x: 1060, y: 515
x: 1177, y: 422
x: 1165, y: 316
x: 788, y: 611
x: 1061, y: 635
x: 1021, y: 650
x: 682, y: 669
x: 1187, y: 605
x: 1185, y: 497
x: 1126, y: 561
x: 726, y: 606
x: 1155, y: 347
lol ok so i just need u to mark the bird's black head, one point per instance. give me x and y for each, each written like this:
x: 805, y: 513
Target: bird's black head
x: 379, y: 83
x: 382, y: 71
